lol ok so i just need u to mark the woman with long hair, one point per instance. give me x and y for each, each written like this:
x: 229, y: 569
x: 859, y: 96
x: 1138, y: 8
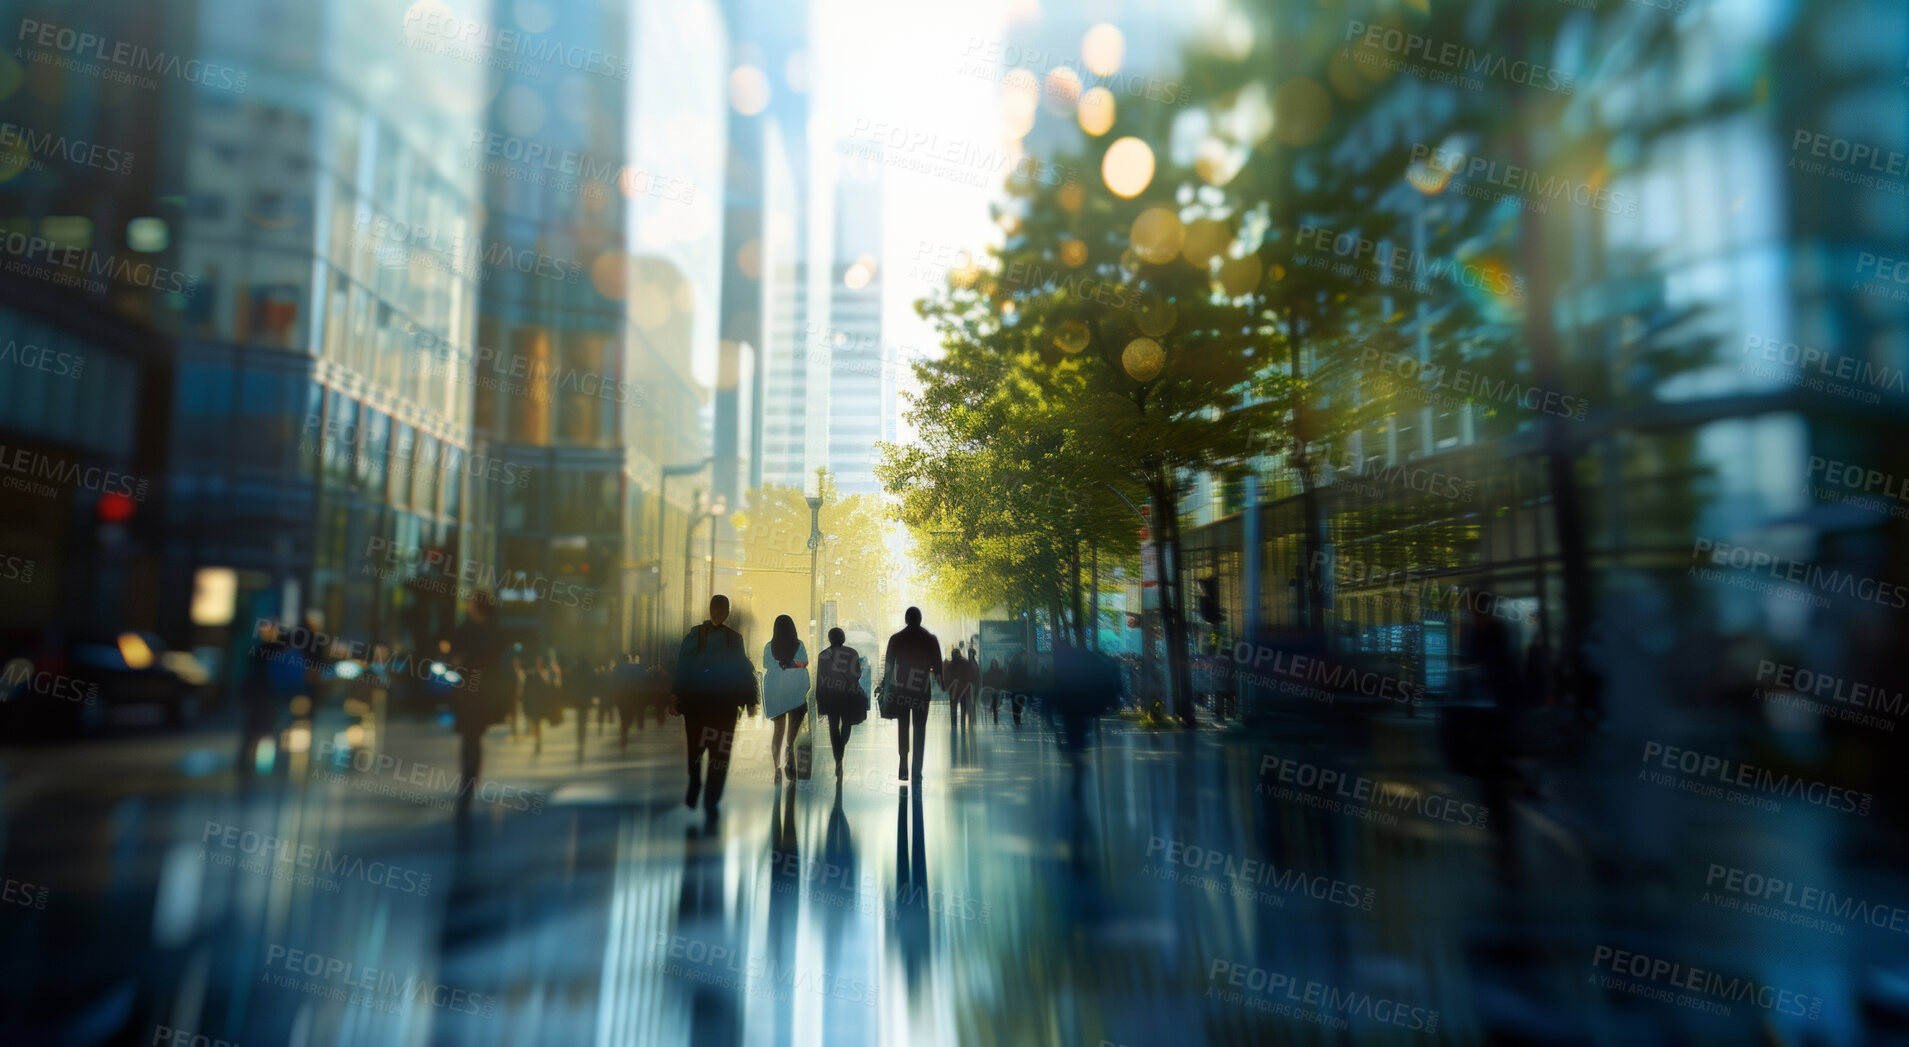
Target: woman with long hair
x: 785, y: 691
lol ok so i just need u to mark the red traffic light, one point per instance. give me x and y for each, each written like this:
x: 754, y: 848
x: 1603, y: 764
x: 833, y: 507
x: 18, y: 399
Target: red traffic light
x: 115, y: 508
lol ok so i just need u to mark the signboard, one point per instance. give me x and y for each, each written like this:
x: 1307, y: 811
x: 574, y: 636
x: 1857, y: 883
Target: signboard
x: 1001, y: 639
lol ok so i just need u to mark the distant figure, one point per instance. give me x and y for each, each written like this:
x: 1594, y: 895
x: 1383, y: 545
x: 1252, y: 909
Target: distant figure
x: 626, y: 693
x: 912, y: 667
x: 994, y: 681
x: 1017, y: 682
x: 488, y: 688
x: 785, y: 691
x: 263, y: 692
x: 541, y: 687
x: 839, y: 694
x: 970, y: 687
x: 714, y: 682
x: 653, y: 695
x: 955, y: 672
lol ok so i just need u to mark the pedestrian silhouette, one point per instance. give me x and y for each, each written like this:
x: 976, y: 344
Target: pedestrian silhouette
x: 487, y: 687
x: 911, y: 668
x: 785, y: 692
x: 714, y: 682
x: 838, y: 693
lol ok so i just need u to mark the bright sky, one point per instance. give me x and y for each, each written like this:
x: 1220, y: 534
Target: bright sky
x: 879, y: 62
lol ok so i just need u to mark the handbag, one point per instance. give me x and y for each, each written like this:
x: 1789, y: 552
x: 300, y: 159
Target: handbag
x: 890, y: 708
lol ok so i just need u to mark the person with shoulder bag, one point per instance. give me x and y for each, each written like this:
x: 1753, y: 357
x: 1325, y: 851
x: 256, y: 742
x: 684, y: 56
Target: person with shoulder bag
x: 838, y: 693
x: 715, y: 682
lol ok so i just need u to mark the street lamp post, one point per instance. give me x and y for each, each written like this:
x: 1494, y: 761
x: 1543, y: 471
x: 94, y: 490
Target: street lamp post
x: 703, y: 512
x: 662, y: 504
x: 815, y: 607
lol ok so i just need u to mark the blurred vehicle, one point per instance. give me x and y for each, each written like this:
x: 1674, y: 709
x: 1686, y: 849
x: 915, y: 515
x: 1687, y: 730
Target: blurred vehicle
x: 55, y: 686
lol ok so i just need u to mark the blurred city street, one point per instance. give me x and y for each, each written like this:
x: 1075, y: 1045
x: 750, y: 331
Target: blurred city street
x: 1175, y: 900
x: 1408, y: 485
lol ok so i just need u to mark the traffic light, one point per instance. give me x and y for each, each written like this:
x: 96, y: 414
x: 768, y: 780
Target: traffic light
x: 1210, y: 600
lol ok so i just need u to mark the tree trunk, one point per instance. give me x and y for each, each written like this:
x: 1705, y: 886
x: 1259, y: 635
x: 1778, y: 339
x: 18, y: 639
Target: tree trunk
x: 1166, y: 508
x: 1313, y: 590
x: 1073, y: 584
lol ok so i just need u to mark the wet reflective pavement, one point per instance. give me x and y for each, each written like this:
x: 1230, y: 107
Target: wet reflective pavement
x: 1309, y: 884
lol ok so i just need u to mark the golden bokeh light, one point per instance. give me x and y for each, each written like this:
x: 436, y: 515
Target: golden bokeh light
x: 1062, y: 91
x: 749, y: 259
x: 1240, y: 276
x: 1103, y: 49
x: 1142, y: 359
x: 1301, y: 110
x: 856, y: 276
x: 607, y: 274
x: 1206, y: 239
x: 1071, y: 197
x: 1157, y: 235
x: 1127, y: 168
x: 1097, y: 111
x: 1072, y: 337
x: 1155, y: 317
x: 1073, y: 253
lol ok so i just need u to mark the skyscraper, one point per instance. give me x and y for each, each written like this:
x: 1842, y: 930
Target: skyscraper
x: 850, y: 346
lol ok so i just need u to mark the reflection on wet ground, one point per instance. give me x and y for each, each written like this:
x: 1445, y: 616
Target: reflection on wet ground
x: 1307, y: 884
